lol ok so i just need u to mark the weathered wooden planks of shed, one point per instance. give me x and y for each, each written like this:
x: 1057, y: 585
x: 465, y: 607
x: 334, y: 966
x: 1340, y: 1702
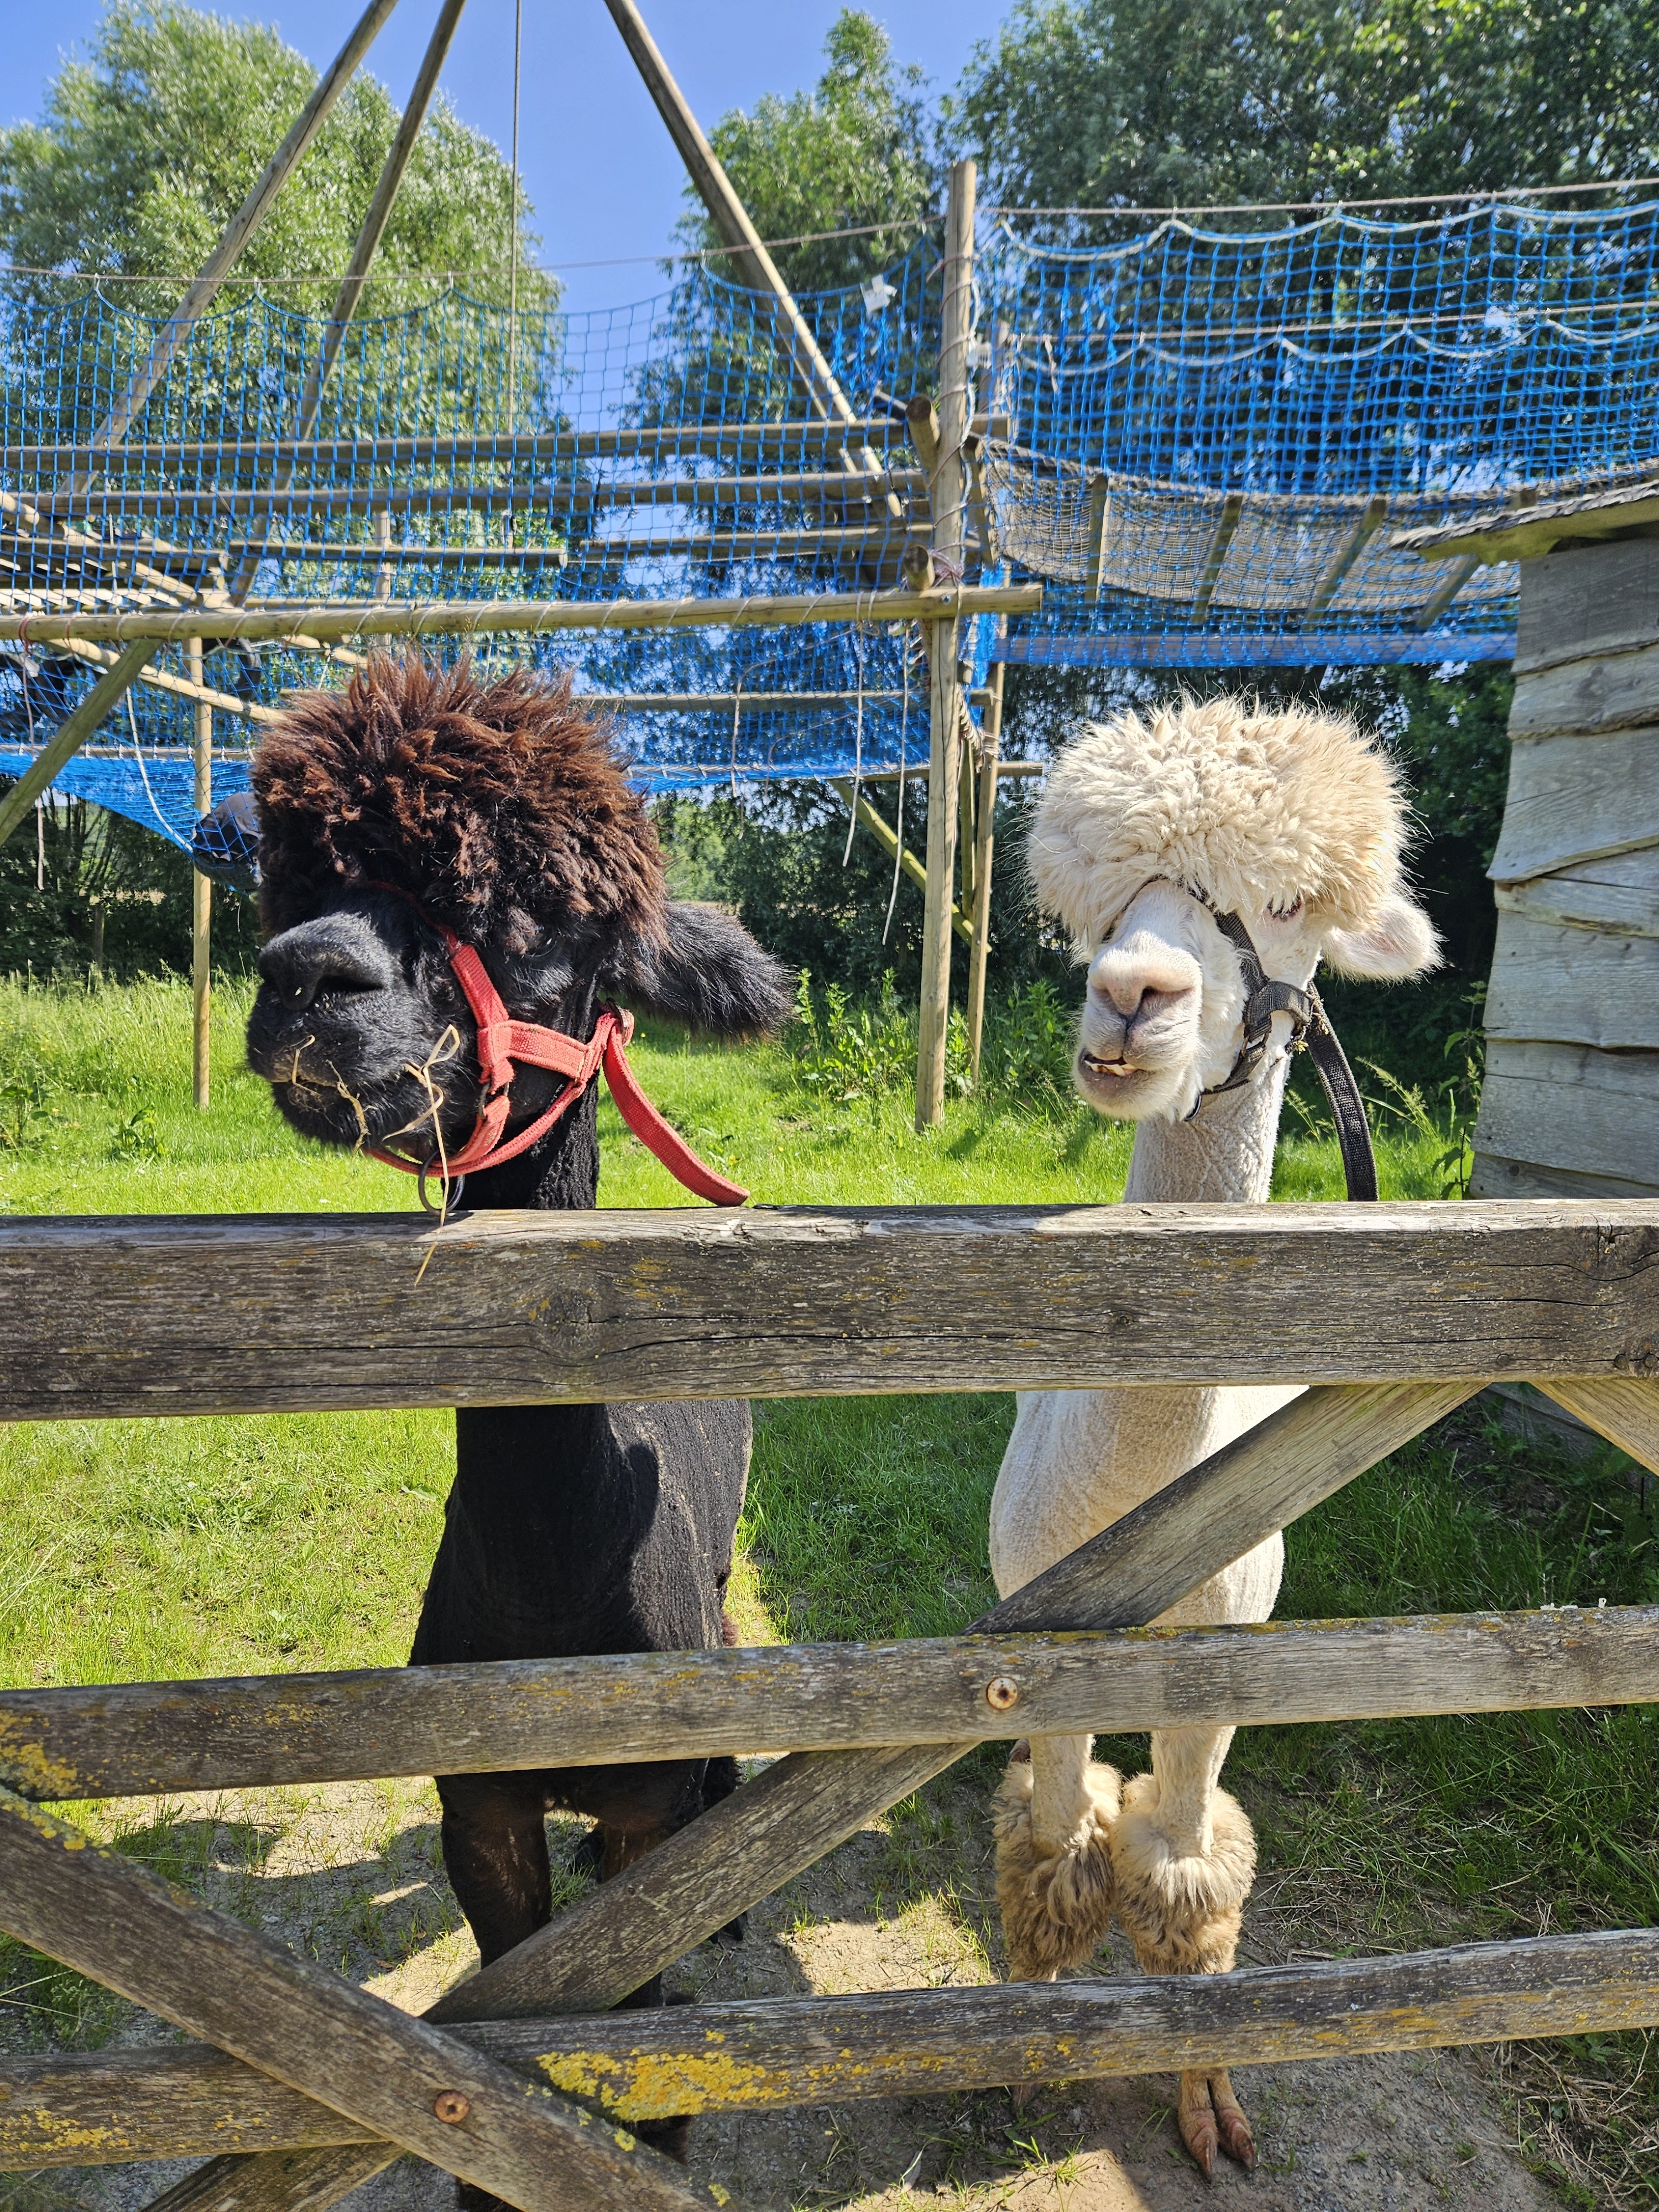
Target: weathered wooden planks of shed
x: 1571, y: 1105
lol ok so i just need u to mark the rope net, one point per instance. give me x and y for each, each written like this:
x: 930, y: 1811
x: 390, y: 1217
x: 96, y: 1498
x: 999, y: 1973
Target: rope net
x: 1201, y: 443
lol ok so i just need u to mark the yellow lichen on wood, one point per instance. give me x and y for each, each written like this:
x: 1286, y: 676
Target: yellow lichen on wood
x: 659, y: 2085
x: 25, y: 1766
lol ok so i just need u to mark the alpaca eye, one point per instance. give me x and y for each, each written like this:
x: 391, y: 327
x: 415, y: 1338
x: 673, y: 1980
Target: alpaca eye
x: 1285, y: 913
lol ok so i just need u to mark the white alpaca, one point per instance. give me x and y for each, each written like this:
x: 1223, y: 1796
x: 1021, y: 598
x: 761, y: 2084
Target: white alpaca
x: 1295, y: 824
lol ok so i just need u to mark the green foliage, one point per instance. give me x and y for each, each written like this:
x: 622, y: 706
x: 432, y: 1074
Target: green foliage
x: 82, y: 888
x: 1081, y: 103
x: 856, y: 150
x: 146, y: 149
x: 841, y: 1053
x: 783, y: 860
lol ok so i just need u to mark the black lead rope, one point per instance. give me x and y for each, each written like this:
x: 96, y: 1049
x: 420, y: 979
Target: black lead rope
x: 1263, y: 998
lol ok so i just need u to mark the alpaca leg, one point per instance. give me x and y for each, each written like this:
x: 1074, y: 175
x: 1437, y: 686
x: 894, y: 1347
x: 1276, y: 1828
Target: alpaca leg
x: 1053, y: 1823
x: 494, y: 1847
x: 1184, y: 1857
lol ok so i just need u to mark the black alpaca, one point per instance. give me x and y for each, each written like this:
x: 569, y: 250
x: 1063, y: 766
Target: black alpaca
x: 414, y: 802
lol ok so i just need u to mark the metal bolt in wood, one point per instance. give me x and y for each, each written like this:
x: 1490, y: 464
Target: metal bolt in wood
x: 1001, y: 1693
x: 450, y: 2105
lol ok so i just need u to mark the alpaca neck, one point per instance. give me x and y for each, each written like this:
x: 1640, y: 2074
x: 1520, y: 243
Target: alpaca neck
x: 1225, y: 1155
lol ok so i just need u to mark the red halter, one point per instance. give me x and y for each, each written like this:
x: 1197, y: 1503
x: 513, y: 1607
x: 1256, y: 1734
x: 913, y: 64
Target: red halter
x: 504, y: 1043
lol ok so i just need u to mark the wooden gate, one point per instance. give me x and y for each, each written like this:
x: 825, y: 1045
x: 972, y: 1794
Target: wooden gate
x: 301, y: 2085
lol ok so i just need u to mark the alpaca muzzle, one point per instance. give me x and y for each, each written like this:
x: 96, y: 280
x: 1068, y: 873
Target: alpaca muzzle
x: 503, y: 1045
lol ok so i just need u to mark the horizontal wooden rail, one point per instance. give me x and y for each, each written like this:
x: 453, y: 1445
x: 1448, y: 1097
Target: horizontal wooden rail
x: 190, y: 2100
x: 675, y: 438
x: 268, y: 1313
x: 481, y: 617
x: 131, y: 1739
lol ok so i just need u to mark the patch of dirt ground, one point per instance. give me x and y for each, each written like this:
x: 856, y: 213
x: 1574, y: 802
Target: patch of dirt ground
x: 351, y: 1875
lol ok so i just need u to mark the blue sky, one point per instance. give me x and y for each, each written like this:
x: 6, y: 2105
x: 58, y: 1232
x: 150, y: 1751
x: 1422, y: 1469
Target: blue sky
x: 596, y: 160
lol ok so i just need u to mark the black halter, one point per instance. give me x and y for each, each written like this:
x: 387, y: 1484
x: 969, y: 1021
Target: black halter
x: 1310, y: 1031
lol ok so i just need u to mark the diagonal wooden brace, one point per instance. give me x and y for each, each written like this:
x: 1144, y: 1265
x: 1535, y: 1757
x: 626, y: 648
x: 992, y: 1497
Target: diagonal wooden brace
x: 620, y: 1935
x: 107, y: 1917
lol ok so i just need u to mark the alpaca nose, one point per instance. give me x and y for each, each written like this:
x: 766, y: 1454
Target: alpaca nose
x: 1128, y: 993
x: 326, y: 954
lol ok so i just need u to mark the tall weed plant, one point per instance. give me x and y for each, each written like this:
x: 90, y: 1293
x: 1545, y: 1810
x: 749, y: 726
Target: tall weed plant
x: 843, y: 1054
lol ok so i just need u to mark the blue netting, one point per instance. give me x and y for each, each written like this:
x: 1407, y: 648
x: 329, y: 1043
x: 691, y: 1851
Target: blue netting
x: 1214, y: 436
x: 1201, y: 443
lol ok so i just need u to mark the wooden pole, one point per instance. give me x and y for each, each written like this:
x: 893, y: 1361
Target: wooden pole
x: 243, y: 224
x: 944, y: 705
x: 363, y: 253
x: 750, y: 258
x: 985, y: 830
x: 201, y: 909
x: 379, y: 214
x: 329, y: 620
x: 72, y: 734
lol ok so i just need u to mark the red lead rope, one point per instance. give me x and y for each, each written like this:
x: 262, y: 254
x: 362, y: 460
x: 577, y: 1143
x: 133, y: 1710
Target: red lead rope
x: 503, y: 1043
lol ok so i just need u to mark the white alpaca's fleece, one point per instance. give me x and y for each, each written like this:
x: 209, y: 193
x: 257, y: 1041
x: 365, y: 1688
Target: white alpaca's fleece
x: 1256, y: 810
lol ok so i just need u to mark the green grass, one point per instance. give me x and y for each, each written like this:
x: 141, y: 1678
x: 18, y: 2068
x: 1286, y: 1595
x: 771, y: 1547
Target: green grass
x: 135, y: 1550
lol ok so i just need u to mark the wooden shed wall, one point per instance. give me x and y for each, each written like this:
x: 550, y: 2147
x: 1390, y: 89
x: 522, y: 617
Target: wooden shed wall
x: 1571, y: 1106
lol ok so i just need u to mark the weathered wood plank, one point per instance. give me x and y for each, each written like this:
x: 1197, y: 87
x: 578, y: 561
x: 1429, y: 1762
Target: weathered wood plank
x: 1619, y: 892
x: 761, y: 2054
x: 1608, y: 690
x: 251, y: 1313
x: 895, y: 2043
x: 133, y: 1739
x: 1523, y: 533
x: 109, y: 1917
x: 1625, y: 1412
x: 1566, y: 986
x: 1569, y: 1106
x: 594, y: 1955
x: 1495, y: 1177
x: 1573, y: 798
x: 1588, y: 600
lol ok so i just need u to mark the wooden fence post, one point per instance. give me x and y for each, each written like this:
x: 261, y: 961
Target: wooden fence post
x: 201, y: 907
x: 984, y: 841
x: 949, y: 489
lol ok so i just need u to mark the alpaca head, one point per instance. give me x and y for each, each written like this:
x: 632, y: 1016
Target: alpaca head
x: 1294, y: 822
x: 500, y: 810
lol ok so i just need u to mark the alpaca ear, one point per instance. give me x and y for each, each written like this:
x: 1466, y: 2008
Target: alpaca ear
x: 709, y: 974
x: 1398, y: 941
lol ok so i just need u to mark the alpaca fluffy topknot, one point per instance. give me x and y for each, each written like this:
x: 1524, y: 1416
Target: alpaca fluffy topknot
x: 1257, y: 809
x: 503, y: 806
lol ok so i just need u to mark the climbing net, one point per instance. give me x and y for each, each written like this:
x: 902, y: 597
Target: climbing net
x: 1203, y: 444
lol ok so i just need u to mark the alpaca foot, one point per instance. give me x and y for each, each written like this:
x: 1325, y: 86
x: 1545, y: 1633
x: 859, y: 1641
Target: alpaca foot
x: 1055, y: 1895
x: 1211, y: 2118
x: 1181, y: 1911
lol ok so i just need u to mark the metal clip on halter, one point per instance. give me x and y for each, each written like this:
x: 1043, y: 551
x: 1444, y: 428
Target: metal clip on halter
x: 1311, y: 1032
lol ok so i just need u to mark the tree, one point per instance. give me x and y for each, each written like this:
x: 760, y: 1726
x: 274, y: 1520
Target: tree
x: 855, y: 151
x: 147, y: 149
x: 1082, y: 103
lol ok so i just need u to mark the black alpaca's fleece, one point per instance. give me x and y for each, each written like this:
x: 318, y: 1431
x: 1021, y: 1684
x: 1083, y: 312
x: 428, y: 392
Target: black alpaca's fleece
x: 501, y: 810
x: 570, y: 1529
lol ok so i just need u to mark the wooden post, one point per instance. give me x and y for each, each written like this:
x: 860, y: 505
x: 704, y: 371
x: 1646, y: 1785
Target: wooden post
x: 949, y: 488
x: 379, y: 212
x: 243, y: 224
x: 750, y: 259
x: 985, y: 827
x: 363, y: 253
x: 201, y: 910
